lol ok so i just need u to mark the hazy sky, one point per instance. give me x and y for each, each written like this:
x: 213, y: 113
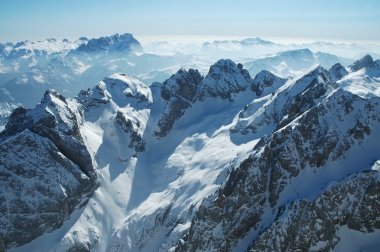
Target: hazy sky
x: 311, y: 19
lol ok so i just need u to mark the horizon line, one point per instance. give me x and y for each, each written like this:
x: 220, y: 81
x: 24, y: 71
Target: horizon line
x: 197, y: 38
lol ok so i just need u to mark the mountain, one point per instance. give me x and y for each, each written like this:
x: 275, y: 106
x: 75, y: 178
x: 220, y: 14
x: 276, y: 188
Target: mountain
x: 255, y: 41
x: 235, y: 44
x: 365, y: 62
x: 265, y: 82
x: 7, y: 105
x: 293, y: 62
x: 42, y: 47
x: 217, y: 162
x: 124, y: 42
x: 20, y: 57
x: 337, y: 72
x: 27, y: 69
x: 53, y: 157
x: 304, y: 164
x: 46, y: 169
x: 178, y: 92
x: 238, y: 49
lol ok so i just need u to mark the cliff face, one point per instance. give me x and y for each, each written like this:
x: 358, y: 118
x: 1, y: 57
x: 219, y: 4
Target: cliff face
x: 45, y: 167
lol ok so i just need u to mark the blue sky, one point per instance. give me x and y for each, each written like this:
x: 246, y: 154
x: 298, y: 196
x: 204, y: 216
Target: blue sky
x: 318, y: 20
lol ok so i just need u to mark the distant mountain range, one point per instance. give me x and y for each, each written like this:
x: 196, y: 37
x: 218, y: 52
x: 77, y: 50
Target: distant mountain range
x: 293, y: 62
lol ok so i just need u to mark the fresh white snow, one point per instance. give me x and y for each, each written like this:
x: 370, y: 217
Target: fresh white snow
x: 146, y: 200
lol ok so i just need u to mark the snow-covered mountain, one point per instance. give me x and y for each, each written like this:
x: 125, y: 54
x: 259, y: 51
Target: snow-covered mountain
x: 27, y: 69
x: 221, y: 162
x: 7, y: 105
x: 240, y: 49
x: 312, y: 182
x: 114, y: 43
x: 235, y: 45
x: 293, y: 62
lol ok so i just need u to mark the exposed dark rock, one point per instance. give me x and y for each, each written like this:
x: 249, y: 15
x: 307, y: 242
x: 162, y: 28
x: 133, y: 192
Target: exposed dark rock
x: 93, y: 97
x: 366, y: 61
x: 114, y: 43
x: 319, y: 86
x: 337, y: 72
x: 179, y: 92
x: 133, y: 128
x: 46, y: 169
x: 286, y: 104
x: 224, y: 79
x: 314, y: 225
x: 123, y: 90
x: 265, y: 79
x: 40, y: 187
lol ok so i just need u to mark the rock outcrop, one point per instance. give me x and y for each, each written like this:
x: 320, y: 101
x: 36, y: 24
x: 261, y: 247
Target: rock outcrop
x: 337, y: 72
x: 265, y: 83
x: 225, y: 79
x: 178, y: 93
x: 366, y: 61
x: 45, y: 167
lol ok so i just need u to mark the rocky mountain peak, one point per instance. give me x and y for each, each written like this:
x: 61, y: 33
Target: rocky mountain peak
x: 265, y: 79
x: 224, y: 67
x: 119, y: 88
x: 46, y: 149
x: 54, y: 118
x: 337, y: 72
x: 318, y: 70
x: 52, y: 112
x: 224, y: 79
x: 316, y: 85
x: 255, y: 41
x: 93, y: 97
x: 124, y: 89
x: 178, y: 92
x: 51, y: 96
x: 114, y: 43
x: 286, y: 103
x: 184, y: 83
x: 305, y: 52
x: 16, y: 123
x: 365, y: 62
x: 318, y: 74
